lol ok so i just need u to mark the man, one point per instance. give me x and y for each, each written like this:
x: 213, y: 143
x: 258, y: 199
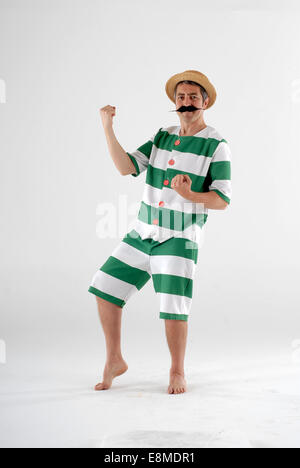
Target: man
x: 188, y: 172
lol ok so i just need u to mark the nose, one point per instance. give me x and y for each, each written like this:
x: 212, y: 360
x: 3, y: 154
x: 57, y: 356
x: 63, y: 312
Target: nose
x: 187, y: 101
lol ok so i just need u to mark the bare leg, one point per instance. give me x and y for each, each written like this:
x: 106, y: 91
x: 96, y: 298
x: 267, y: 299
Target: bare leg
x: 111, y: 317
x: 176, y: 332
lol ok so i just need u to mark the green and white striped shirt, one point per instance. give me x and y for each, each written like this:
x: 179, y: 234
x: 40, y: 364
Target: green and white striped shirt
x: 205, y: 157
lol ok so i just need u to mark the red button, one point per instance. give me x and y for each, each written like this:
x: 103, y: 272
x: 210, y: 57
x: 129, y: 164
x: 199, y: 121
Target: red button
x: 177, y: 142
x: 161, y: 203
x: 155, y: 221
x: 166, y: 182
x: 171, y: 162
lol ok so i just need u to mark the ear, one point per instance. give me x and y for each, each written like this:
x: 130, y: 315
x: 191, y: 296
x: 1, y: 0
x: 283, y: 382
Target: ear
x: 206, y: 102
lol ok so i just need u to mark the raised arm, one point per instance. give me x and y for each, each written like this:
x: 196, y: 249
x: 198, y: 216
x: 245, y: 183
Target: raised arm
x: 119, y: 156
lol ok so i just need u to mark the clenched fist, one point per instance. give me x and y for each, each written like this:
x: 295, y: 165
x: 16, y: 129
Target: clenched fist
x: 181, y: 183
x: 107, y: 113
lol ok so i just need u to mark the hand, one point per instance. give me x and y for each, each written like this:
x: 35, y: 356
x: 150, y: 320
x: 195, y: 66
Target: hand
x: 107, y: 113
x: 181, y: 183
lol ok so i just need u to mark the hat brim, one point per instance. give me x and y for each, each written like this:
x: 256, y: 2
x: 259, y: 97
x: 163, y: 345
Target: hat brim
x: 192, y: 75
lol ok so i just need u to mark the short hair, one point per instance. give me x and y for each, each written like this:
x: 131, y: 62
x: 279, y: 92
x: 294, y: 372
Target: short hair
x: 202, y: 90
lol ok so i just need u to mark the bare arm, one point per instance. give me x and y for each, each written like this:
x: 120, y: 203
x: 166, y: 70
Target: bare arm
x: 210, y: 199
x: 119, y: 156
x: 181, y: 183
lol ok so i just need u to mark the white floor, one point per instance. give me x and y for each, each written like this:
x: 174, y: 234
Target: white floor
x: 250, y: 403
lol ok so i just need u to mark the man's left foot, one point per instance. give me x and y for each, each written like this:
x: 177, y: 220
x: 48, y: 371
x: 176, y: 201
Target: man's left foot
x: 177, y: 383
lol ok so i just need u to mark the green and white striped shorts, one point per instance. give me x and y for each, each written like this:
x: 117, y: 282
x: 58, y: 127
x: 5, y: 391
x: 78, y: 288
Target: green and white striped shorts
x: 171, y: 264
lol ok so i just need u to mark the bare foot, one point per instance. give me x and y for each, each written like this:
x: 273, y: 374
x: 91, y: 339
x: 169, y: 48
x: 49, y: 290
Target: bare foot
x: 177, y: 383
x: 112, y: 369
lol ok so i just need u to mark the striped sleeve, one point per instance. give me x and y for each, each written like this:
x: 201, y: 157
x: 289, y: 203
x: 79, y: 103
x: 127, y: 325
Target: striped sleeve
x: 219, y: 172
x: 141, y: 156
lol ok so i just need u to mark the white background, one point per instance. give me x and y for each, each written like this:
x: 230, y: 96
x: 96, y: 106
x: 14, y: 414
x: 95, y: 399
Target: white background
x: 61, y: 61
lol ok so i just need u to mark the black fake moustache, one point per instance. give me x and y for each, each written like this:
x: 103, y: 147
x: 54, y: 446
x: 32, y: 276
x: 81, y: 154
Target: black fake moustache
x: 186, y: 109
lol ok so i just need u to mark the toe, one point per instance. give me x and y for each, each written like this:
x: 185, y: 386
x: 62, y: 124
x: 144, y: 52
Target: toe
x: 101, y: 386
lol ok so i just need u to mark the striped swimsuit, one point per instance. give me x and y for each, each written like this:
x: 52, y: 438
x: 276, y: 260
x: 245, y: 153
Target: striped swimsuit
x: 164, y: 241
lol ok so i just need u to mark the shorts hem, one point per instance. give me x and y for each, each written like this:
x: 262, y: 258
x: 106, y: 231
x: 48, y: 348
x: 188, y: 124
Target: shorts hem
x: 107, y: 297
x: 164, y: 315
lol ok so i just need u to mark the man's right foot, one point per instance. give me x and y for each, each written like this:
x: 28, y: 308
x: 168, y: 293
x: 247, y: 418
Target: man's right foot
x: 112, y: 369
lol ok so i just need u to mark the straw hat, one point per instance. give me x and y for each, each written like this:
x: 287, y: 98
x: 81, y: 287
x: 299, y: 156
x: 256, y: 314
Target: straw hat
x: 192, y: 75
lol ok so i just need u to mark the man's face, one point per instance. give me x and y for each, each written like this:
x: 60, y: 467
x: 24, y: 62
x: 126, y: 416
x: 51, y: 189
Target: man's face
x: 187, y: 95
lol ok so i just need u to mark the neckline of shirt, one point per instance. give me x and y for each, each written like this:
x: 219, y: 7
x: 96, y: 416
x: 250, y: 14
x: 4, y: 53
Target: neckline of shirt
x: 188, y: 136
